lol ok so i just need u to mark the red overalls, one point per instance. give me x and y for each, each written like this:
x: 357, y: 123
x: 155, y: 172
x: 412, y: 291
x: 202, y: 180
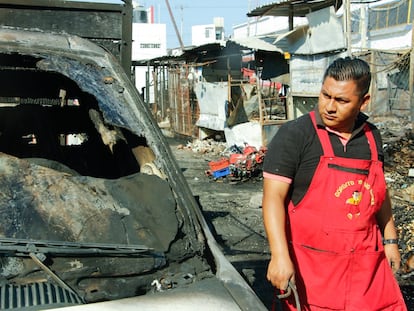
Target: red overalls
x: 335, y: 241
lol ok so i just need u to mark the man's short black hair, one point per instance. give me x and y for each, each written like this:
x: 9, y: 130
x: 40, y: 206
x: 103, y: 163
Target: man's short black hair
x: 344, y: 69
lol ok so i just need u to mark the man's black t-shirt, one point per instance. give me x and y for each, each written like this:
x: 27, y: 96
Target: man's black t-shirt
x: 295, y: 150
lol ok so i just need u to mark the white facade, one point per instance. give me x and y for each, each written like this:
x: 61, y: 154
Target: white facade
x: 266, y: 25
x: 210, y: 33
x: 393, y: 37
x: 399, y: 39
x: 149, y: 40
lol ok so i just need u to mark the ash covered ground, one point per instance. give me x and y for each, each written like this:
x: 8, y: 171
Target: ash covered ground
x: 233, y: 208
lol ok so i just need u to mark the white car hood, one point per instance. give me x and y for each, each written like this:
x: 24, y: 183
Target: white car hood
x: 208, y: 295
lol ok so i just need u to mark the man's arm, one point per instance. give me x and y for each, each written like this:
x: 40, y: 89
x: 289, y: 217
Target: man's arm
x: 280, y: 269
x: 386, y: 224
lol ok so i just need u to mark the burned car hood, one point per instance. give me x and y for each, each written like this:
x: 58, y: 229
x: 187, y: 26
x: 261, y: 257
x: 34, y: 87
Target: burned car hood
x: 66, y: 207
x: 95, y: 210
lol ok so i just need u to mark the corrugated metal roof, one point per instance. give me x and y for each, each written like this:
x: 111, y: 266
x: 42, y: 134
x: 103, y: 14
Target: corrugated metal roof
x: 297, y: 8
x: 323, y: 34
x: 256, y: 43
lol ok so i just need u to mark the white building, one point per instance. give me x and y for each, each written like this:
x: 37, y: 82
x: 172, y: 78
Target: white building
x: 378, y: 25
x: 204, y: 34
x: 149, y: 40
x: 382, y: 25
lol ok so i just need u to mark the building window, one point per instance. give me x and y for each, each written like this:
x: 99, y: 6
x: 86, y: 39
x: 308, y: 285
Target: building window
x: 391, y: 14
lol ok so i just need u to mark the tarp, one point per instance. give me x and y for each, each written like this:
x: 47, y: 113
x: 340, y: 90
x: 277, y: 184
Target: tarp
x: 212, y: 99
x: 245, y: 133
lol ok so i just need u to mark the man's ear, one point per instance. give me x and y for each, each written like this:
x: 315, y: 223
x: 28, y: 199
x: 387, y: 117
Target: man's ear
x: 365, y: 101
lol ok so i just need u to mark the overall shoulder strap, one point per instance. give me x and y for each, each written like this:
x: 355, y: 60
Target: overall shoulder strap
x: 323, y: 137
x: 371, y: 142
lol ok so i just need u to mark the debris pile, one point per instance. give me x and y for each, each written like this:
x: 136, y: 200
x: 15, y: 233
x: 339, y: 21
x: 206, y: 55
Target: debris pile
x: 207, y: 146
x: 235, y: 163
x: 398, y: 139
x: 241, y: 164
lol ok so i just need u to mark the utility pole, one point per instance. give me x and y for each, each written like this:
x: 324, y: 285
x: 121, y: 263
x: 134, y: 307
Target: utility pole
x: 181, y: 20
x: 248, y: 20
x: 348, y: 27
x: 363, y: 26
x: 175, y: 25
x: 411, y: 77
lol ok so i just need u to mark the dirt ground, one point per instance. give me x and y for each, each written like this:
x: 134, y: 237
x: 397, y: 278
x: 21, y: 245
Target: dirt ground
x: 233, y: 211
x: 234, y: 215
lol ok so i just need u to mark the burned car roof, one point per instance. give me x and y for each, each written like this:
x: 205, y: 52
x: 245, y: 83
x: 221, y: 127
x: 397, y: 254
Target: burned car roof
x: 95, y: 210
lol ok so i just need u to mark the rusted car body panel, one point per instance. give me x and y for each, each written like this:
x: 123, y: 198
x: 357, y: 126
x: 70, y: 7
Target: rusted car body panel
x: 95, y: 210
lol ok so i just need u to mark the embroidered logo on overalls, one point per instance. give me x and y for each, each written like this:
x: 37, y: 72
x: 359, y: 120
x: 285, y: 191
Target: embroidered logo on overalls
x: 353, y: 200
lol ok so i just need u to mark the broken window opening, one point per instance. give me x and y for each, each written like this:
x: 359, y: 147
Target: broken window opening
x: 46, y: 115
x: 75, y: 139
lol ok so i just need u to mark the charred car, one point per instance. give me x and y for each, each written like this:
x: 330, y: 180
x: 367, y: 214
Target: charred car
x: 95, y: 212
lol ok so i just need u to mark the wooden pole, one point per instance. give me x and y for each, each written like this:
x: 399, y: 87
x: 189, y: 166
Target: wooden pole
x: 348, y: 27
x: 175, y: 25
x: 411, y: 77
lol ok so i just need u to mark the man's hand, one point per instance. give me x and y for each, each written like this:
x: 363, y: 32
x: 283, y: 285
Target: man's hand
x: 393, y: 256
x: 280, y: 271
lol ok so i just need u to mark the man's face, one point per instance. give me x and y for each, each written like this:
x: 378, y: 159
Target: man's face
x: 340, y: 103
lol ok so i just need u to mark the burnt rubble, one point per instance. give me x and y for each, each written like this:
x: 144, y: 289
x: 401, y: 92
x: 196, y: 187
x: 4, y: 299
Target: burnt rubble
x: 398, y: 140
